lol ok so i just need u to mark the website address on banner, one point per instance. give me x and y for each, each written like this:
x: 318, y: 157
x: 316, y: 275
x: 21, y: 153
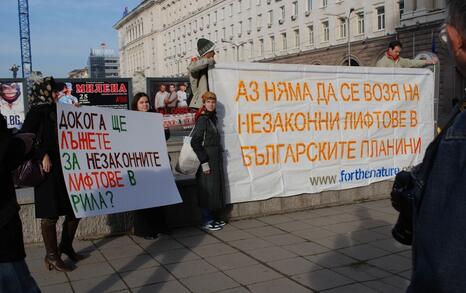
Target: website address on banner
x: 354, y: 175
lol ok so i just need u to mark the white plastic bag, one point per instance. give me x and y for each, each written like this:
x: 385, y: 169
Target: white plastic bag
x: 188, y: 163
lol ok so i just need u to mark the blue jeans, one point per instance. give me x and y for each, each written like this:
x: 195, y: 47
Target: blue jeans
x: 15, y: 277
x: 206, y: 216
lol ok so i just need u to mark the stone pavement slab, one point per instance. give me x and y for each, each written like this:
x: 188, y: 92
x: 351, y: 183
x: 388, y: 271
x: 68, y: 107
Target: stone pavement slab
x: 338, y: 249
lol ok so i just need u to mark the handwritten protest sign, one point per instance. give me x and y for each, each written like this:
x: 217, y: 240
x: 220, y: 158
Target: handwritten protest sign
x: 292, y: 129
x: 114, y: 160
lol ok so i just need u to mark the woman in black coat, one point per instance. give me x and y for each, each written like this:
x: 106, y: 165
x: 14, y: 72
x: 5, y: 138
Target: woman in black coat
x: 148, y: 223
x: 50, y: 197
x: 205, y: 142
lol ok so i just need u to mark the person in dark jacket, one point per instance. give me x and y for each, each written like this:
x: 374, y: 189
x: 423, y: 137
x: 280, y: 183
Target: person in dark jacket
x: 148, y: 223
x: 205, y: 142
x: 14, y: 273
x: 439, y: 233
x: 50, y: 197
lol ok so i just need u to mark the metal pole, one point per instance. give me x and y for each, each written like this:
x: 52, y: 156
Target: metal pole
x: 349, y: 42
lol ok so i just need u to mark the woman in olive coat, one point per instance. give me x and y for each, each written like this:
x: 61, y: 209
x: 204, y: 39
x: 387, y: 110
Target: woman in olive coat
x: 205, y: 142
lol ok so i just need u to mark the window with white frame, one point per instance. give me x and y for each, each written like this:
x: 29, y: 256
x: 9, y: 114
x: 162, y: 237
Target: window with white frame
x: 259, y: 21
x: 251, y: 49
x: 215, y: 16
x: 297, y: 40
x: 402, y: 7
x: 231, y: 9
x: 310, y: 33
x: 360, y: 19
x: 380, y: 17
x: 341, y: 27
x: 295, y: 9
x: 282, y: 14
x: 239, y: 6
x: 207, y: 20
x: 261, y: 47
x: 202, y: 22
x: 309, y: 5
x: 249, y: 25
x: 224, y: 32
x: 324, y: 3
x: 240, y: 28
x: 284, y: 42
x: 272, y: 43
x: 232, y: 30
x: 270, y: 18
x: 324, y: 31
x: 248, y: 4
x: 258, y: 2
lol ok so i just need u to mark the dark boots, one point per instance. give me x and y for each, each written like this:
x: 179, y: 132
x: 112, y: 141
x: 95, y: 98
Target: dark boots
x: 52, y: 258
x: 70, y: 225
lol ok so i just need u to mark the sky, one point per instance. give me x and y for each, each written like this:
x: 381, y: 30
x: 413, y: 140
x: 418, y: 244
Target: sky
x: 62, y: 32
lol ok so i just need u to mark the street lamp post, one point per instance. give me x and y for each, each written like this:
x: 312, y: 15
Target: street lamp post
x: 14, y: 68
x: 234, y: 45
x: 349, y: 36
x: 348, y: 23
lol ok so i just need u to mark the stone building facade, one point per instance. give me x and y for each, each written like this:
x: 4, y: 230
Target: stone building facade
x: 159, y: 37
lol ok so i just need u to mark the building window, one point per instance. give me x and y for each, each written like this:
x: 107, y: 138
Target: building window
x: 296, y: 38
x: 215, y: 17
x: 258, y: 3
x: 259, y: 21
x: 207, y: 20
x: 402, y: 7
x: 239, y: 6
x: 240, y: 29
x: 380, y: 17
x: 341, y: 28
x: 232, y: 31
x: 325, y: 31
x: 284, y: 42
x: 295, y: 10
x: 324, y: 3
x: 270, y: 18
x: 248, y: 4
x: 282, y: 14
x: 251, y: 49
x: 308, y: 5
x: 261, y: 47
x: 272, y: 44
x: 224, y: 33
x: 249, y: 25
x: 310, y: 31
x: 360, y: 17
x: 231, y: 9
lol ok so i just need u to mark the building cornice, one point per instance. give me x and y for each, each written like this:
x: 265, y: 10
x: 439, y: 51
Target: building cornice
x: 135, y: 12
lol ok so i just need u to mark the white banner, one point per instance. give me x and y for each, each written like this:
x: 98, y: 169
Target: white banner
x: 114, y: 160
x: 292, y: 129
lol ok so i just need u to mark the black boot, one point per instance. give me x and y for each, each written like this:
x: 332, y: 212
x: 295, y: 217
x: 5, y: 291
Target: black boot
x: 67, y: 236
x: 52, y: 259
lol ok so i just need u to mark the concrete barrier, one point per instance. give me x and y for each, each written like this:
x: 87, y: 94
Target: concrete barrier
x: 187, y: 213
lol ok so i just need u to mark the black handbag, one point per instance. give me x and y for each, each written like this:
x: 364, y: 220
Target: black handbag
x: 30, y: 173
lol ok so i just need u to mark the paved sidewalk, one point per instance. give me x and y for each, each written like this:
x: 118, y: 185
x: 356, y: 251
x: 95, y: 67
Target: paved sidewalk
x: 340, y: 249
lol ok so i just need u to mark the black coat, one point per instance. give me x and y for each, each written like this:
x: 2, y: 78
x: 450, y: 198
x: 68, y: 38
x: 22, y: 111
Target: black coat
x: 11, y: 232
x: 50, y: 197
x: 206, y: 144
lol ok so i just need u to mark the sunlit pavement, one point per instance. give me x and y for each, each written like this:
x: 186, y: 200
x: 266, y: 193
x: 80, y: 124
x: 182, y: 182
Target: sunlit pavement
x: 338, y: 249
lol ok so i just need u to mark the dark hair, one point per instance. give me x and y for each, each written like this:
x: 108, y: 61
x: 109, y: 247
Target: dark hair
x: 457, y: 14
x: 394, y: 44
x: 137, y: 97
